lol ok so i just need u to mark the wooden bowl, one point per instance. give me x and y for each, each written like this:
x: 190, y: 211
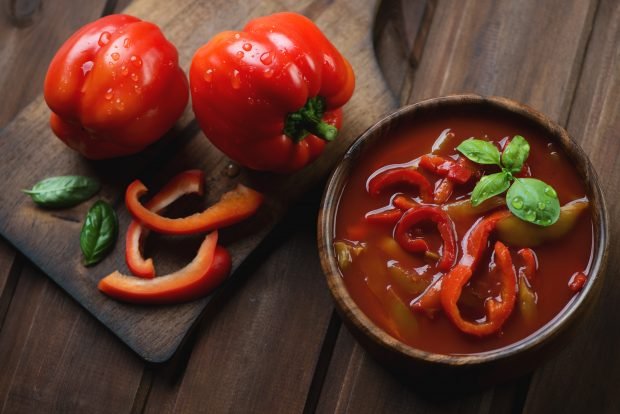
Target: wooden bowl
x: 475, y: 370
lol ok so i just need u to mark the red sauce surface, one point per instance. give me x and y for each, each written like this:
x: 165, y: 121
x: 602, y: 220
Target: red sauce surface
x: 558, y: 260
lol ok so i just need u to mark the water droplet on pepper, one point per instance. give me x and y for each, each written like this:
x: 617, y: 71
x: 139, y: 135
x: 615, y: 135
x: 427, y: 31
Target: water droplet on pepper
x: 239, y: 54
x: 104, y: 39
x: 126, y: 42
x: 247, y: 47
x: 235, y: 80
x: 115, y: 56
x: 208, y: 75
x: 135, y: 60
x: 266, y: 58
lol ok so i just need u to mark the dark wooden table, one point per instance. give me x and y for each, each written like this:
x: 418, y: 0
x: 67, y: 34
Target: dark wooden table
x: 274, y: 343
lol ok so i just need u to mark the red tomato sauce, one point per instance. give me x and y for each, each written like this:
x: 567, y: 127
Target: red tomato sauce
x: 557, y: 260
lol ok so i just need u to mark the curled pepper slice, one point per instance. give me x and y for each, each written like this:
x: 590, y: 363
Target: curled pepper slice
x: 234, y: 206
x: 497, y: 311
x: 444, y: 225
x: 401, y: 175
x: 191, y: 181
x: 209, y: 268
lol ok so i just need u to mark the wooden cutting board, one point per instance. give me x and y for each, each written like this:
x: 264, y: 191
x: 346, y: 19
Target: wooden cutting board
x: 29, y: 152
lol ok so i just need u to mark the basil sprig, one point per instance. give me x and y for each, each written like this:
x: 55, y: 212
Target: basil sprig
x: 63, y: 191
x: 530, y: 199
x: 99, y: 232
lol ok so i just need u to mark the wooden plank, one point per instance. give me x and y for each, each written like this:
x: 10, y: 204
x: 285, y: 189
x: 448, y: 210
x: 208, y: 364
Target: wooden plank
x: 156, y: 332
x: 583, y: 377
x: 356, y: 383
x: 56, y: 358
x: 258, y: 351
x: 477, y: 45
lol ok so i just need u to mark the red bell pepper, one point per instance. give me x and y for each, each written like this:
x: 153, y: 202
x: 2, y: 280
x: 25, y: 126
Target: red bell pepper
x: 114, y: 87
x: 234, y: 206
x: 404, y: 203
x: 577, y: 282
x: 446, y: 168
x: 530, y: 263
x: 497, y: 311
x: 398, y: 176
x: 443, y: 191
x: 191, y: 181
x: 444, y: 225
x: 209, y: 268
x: 269, y: 96
x: 453, y: 282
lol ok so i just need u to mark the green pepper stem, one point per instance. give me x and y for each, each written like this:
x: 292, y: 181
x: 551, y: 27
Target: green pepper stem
x: 308, y: 120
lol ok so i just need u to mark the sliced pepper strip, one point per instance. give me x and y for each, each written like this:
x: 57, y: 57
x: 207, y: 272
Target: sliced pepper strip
x: 209, y: 268
x: 577, y: 281
x: 446, y: 168
x: 530, y: 263
x: 234, y: 206
x: 430, y: 301
x: 401, y: 175
x: 443, y: 191
x: 191, y: 181
x: 497, y: 311
x: 444, y: 225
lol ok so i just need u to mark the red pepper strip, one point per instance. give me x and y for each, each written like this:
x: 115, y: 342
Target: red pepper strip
x: 444, y: 225
x: 234, y: 206
x: 191, y: 181
x: 404, y: 203
x: 209, y: 268
x: 401, y: 175
x: 446, y: 168
x: 530, y: 263
x: 577, y: 281
x: 497, y: 311
x: 430, y: 301
x: 390, y: 216
x: 443, y: 191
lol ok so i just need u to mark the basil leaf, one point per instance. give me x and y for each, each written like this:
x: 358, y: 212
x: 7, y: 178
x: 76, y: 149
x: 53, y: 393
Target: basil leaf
x: 63, y: 191
x: 479, y: 151
x: 489, y: 186
x: 534, y: 201
x: 99, y: 232
x: 515, y: 154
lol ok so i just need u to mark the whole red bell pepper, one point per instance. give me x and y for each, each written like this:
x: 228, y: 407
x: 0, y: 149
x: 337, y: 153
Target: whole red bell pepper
x: 269, y: 96
x: 114, y: 87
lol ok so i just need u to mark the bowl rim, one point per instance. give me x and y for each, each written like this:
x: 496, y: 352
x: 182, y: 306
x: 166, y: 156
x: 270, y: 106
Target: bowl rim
x: 349, y: 309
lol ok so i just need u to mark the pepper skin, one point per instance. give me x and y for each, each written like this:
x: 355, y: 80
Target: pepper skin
x: 233, y: 207
x: 497, y: 311
x: 398, y: 176
x: 445, y: 225
x: 191, y: 181
x: 269, y: 96
x: 208, y: 270
x: 115, y: 87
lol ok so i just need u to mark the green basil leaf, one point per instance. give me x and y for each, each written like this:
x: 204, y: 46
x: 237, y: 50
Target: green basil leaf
x: 63, y: 191
x: 99, y: 232
x: 489, y: 186
x: 534, y: 201
x: 477, y: 150
x: 515, y: 154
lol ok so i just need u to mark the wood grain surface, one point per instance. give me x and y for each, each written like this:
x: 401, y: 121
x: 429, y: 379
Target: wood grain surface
x: 55, y: 357
x: 156, y: 332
